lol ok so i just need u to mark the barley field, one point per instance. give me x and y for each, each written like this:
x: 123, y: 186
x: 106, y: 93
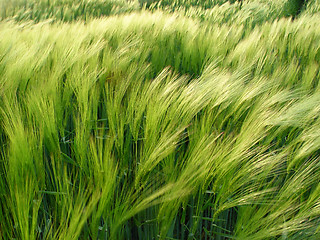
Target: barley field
x: 172, y: 119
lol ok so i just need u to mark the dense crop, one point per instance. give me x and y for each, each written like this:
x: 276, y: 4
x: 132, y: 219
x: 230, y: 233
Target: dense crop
x: 312, y: 7
x: 167, y: 121
x: 65, y: 10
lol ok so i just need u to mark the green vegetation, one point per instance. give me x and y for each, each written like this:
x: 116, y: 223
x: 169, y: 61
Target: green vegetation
x: 65, y: 10
x: 182, y: 120
x: 312, y: 7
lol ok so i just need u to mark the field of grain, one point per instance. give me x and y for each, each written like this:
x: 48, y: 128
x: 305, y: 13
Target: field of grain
x: 173, y: 119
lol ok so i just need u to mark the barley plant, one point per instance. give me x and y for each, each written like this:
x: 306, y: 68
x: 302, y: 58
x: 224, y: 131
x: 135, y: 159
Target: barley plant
x: 164, y: 119
x: 312, y: 7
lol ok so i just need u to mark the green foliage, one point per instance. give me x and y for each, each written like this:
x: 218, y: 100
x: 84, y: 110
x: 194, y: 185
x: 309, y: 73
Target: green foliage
x: 64, y: 10
x: 181, y: 121
x: 184, y: 3
x: 312, y: 7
